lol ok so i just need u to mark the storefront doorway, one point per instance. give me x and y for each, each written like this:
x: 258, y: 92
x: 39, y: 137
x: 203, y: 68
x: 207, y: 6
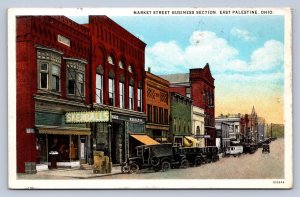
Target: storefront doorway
x: 118, y: 142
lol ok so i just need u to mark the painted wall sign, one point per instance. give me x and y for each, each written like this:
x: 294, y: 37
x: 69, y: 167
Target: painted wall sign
x: 63, y: 40
x: 85, y: 117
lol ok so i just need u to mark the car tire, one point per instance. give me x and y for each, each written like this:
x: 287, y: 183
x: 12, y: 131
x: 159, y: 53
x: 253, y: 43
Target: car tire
x: 125, y: 169
x: 165, y: 166
x: 134, y: 168
x: 198, y: 162
x: 154, y: 161
x: 184, y: 164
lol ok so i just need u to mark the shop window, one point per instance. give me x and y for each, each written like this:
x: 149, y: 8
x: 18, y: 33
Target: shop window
x: 140, y: 94
x: 122, y: 94
x: 111, y: 92
x: 41, y: 148
x: 131, y: 97
x: 99, y: 88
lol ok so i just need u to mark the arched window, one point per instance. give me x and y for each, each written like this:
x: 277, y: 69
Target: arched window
x: 111, y: 60
x: 121, y: 64
x: 198, y: 130
x: 130, y: 68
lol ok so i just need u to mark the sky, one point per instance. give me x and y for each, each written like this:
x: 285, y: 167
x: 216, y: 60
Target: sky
x: 245, y: 54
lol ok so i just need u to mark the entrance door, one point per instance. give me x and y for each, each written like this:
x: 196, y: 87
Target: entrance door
x: 117, y: 143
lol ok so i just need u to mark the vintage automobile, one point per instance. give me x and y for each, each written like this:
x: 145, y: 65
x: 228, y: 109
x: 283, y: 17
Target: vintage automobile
x: 156, y: 157
x: 250, y: 148
x: 234, y: 151
x: 210, y: 153
x: 267, y: 141
x: 266, y: 148
x: 192, y: 154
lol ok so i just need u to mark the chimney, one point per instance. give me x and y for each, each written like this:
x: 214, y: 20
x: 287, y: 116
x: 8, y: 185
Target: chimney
x: 149, y: 69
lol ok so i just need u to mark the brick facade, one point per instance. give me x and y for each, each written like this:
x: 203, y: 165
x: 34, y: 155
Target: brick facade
x: 157, y: 107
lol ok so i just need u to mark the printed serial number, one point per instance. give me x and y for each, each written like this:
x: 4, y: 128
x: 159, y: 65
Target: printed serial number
x: 278, y: 182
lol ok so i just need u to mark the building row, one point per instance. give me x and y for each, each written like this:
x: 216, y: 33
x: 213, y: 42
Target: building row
x: 82, y: 88
x: 239, y: 129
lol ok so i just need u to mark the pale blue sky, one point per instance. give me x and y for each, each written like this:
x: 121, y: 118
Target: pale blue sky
x: 245, y: 54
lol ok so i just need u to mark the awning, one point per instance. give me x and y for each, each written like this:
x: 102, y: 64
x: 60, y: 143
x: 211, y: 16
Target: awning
x: 64, y: 130
x: 193, y: 141
x: 145, y: 139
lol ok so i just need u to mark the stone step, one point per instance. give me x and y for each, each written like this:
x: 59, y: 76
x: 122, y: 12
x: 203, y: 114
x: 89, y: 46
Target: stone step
x: 86, y: 167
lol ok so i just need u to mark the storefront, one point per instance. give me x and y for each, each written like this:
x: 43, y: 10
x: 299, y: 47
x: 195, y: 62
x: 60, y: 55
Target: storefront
x: 69, y: 142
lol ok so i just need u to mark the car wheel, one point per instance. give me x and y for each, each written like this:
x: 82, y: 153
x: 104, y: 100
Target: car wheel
x: 154, y: 161
x: 134, y: 168
x: 215, y: 158
x: 165, y: 166
x: 125, y: 169
x: 184, y: 164
x: 198, y: 162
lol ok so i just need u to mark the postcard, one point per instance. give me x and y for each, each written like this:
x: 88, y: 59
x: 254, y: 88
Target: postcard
x: 150, y: 98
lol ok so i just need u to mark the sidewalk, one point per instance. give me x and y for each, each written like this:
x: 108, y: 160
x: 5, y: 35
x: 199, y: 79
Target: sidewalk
x: 71, y: 173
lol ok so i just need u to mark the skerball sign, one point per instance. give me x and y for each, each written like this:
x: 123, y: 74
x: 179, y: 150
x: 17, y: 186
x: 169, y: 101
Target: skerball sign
x: 86, y: 117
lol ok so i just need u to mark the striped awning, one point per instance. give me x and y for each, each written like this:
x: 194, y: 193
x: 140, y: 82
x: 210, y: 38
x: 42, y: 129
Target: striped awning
x: 64, y: 130
x: 193, y: 141
x: 145, y: 139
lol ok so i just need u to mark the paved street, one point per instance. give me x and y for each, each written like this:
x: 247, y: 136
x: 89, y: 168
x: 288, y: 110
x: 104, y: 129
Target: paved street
x: 247, y: 166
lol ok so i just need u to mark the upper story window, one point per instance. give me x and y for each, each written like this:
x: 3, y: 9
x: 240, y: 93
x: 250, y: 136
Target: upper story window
x: 99, y: 88
x: 122, y: 94
x: 49, y: 69
x: 140, y: 96
x: 111, y: 60
x: 75, y: 78
x: 121, y: 65
x: 130, y: 68
x: 188, y: 92
x: 99, y: 84
x: 131, y: 97
x: 111, y: 92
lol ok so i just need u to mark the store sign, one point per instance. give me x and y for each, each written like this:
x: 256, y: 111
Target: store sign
x: 85, y: 117
x: 63, y: 40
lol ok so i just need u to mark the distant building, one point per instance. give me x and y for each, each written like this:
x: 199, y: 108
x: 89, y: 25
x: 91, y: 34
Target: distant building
x: 198, y: 125
x: 234, y: 121
x: 157, y: 107
x: 181, y: 120
x: 249, y: 125
x: 199, y: 86
x: 224, y: 128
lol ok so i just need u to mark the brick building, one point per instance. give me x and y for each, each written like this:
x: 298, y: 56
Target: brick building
x: 199, y: 86
x: 158, y: 107
x: 117, y: 84
x: 52, y: 67
x: 66, y: 67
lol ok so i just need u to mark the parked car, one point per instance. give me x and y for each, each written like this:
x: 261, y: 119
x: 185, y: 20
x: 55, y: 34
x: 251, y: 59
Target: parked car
x: 250, y: 148
x: 192, y: 154
x: 266, y: 148
x: 234, y: 150
x: 210, y: 153
x: 267, y: 141
x: 156, y: 157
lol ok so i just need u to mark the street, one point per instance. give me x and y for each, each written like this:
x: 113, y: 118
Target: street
x: 247, y: 166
